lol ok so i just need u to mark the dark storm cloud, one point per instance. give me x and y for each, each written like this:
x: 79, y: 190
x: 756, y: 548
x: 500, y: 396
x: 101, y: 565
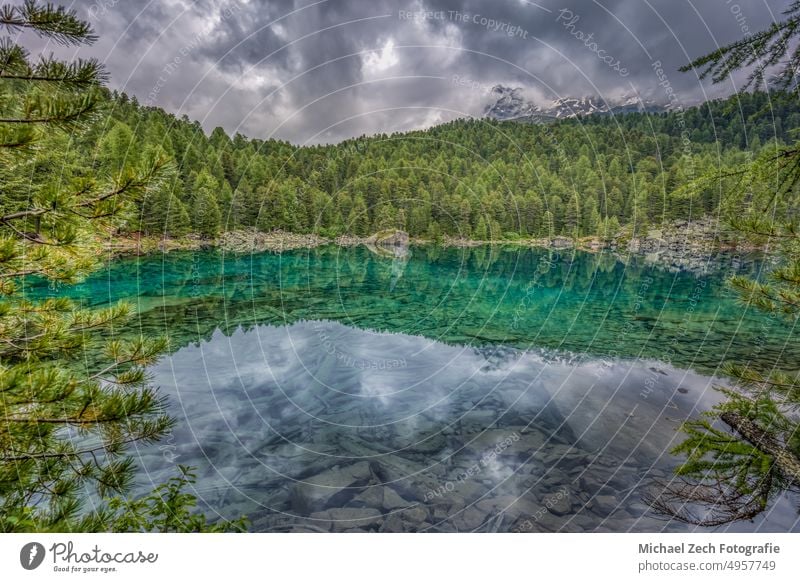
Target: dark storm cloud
x: 322, y: 70
x: 247, y: 36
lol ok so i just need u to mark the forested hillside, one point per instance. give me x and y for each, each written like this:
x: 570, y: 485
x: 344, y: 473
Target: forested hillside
x: 474, y: 178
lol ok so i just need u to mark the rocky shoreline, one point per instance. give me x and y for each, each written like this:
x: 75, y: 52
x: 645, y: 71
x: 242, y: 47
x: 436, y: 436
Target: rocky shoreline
x: 682, y: 244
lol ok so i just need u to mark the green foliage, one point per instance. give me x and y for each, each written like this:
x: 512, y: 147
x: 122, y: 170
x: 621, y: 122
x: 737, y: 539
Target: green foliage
x: 764, y: 49
x: 746, y: 450
x: 634, y: 174
x: 168, y: 509
x: 54, y: 22
x: 163, y: 213
x: 71, y: 399
x: 205, y: 213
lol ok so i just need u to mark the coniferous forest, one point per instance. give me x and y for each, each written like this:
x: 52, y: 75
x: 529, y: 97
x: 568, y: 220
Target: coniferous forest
x: 476, y: 178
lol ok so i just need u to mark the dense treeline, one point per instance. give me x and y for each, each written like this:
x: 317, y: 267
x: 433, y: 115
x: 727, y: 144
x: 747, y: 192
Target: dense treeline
x: 475, y: 178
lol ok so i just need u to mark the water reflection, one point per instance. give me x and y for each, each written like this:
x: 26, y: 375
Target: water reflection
x: 298, y: 437
x: 448, y: 390
x: 526, y: 298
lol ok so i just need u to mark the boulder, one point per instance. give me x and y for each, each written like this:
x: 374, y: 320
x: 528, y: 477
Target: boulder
x: 371, y: 497
x: 561, y: 242
x: 559, y: 503
x: 414, y: 515
x: 392, y: 244
x: 394, y: 524
x: 346, y: 518
x: 379, y: 497
x: 389, y: 238
x: 511, y: 505
x: 407, y: 520
x: 392, y: 500
x: 337, y: 485
x: 469, y: 519
x: 604, y: 504
x: 410, y: 479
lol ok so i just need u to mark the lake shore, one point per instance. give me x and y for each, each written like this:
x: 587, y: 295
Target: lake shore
x: 679, y: 240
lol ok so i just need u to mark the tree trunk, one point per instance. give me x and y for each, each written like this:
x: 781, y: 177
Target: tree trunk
x: 785, y: 461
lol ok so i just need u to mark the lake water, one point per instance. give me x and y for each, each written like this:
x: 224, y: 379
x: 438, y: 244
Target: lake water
x: 480, y: 389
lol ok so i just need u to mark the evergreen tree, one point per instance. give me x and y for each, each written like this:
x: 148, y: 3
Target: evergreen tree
x: 58, y: 378
x: 572, y: 217
x: 278, y: 186
x: 206, y: 216
x: 357, y: 219
x: 745, y: 451
x: 481, y: 231
x: 386, y: 217
x: 548, y: 229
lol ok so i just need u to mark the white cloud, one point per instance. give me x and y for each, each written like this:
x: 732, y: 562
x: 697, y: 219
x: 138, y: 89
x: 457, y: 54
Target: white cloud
x: 375, y: 62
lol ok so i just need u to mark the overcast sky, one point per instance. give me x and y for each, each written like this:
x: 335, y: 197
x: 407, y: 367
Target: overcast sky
x: 314, y: 71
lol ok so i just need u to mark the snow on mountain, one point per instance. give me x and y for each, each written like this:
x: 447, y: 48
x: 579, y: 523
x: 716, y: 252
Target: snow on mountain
x: 510, y: 104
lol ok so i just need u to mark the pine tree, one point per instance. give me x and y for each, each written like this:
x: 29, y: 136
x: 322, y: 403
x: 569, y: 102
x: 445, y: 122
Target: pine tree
x: 590, y: 222
x: 572, y: 217
x: 481, y: 231
x: 206, y: 216
x: 357, y: 219
x: 548, y: 229
x: 385, y: 217
x: 56, y: 373
x: 745, y: 451
x: 163, y: 214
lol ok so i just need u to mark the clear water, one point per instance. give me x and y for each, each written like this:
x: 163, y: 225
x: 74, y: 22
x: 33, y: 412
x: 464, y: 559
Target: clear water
x: 450, y: 390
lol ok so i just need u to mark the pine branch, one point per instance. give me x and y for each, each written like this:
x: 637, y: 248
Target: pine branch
x: 24, y: 214
x: 765, y: 49
x: 20, y: 144
x: 49, y: 115
x: 47, y: 20
x: 13, y: 58
x: 16, y: 457
x: 785, y: 460
x: 65, y: 420
x: 720, y: 504
x: 75, y: 75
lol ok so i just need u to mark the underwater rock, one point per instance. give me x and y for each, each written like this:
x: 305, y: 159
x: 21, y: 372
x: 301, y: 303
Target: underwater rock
x: 392, y: 500
x: 559, y: 503
x: 604, y: 504
x: 393, y: 524
x: 329, y: 487
x: 415, y: 515
x: 469, y: 519
x: 347, y: 518
x: 371, y: 497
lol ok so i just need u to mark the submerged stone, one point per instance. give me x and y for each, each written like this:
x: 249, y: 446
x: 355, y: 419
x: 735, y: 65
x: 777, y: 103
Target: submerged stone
x: 338, y: 484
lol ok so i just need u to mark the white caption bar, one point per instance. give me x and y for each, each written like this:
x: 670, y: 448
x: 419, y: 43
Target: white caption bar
x: 348, y: 557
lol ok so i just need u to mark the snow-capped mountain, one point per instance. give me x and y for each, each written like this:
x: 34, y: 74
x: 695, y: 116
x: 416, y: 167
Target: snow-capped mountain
x: 510, y: 104
x: 572, y: 107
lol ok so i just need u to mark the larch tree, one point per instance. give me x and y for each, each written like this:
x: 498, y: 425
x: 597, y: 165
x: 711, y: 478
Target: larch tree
x: 739, y: 456
x: 71, y: 402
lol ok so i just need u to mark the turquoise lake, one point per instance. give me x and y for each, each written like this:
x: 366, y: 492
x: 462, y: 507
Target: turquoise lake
x: 483, y: 389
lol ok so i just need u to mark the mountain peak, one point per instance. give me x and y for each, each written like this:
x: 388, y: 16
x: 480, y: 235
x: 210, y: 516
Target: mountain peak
x: 510, y: 103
